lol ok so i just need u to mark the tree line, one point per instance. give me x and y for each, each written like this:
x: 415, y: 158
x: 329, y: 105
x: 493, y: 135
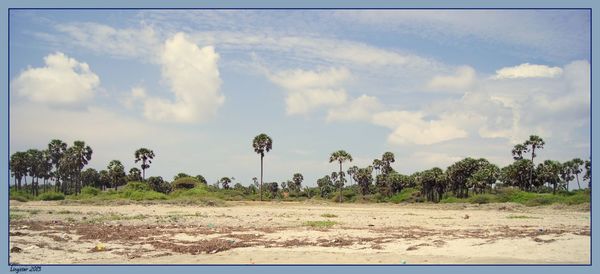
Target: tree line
x: 61, y: 168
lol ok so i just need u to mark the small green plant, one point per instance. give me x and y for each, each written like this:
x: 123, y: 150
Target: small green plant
x: 328, y: 215
x: 481, y: 199
x: 320, y: 224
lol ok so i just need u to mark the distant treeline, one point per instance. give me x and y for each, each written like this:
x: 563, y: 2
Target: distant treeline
x: 61, y: 169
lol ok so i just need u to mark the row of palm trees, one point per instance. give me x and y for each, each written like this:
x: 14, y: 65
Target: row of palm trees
x: 64, y: 165
x: 469, y: 174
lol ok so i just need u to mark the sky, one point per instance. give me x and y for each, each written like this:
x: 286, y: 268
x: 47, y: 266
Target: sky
x: 196, y: 86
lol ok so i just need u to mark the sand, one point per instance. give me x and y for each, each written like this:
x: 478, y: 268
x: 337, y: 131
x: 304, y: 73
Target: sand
x: 280, y: 233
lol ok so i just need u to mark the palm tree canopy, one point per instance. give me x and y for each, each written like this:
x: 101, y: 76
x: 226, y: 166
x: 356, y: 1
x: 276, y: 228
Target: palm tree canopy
x: 262, y: 143
x: 144, y: 154
x: 340, y: 156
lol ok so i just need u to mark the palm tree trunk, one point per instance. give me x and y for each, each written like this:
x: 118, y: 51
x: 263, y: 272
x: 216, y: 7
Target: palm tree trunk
x: 261, y: 175
x: 341, y: 186
x: 577, y: 176
x: 532, y: 165
x: 144, y: 172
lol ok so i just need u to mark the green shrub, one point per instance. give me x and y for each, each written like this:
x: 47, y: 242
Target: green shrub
x: 197, y: 191
x: 143, y: 195
x: 186, y: 183
x: 91, y: 191
x: 407, y: 195
x: 136, y: 186
x: 20, y: 195
x: 51, y: 196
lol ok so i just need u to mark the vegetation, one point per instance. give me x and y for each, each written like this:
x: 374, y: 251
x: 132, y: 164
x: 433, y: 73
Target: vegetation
x: 57, y: 173
x: 320, y: 224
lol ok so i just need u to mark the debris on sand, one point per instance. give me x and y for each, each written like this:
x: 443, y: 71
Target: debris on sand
x: 536, y: 239
x: 99, y: 247
x: 16, y: 250
x: 466, y: 216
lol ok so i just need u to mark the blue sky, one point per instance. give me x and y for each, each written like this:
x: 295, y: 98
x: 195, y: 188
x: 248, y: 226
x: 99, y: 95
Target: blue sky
x: 431, y: 86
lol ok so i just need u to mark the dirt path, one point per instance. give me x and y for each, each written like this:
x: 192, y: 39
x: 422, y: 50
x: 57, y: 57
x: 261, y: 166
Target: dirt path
x: 297, y: 233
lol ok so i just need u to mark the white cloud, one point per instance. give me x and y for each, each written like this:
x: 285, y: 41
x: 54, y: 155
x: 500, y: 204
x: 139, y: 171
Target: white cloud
x: 359, y: 109
x: 412, y: 128
x: 193, y: 76
x: 119, y: 42
x: 136, y: 94
x: 527, y: 70
x: 62, y: 81
x: 308, y: 90
x: 461, y: 80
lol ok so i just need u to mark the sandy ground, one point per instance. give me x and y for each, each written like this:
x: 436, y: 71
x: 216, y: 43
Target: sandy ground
x: 280, y: 233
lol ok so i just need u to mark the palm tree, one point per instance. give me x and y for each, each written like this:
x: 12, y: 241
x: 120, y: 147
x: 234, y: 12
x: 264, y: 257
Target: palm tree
x: 56, y: 149
x: 352, y: 173
x: 340, y: 156
x: 297, y: 179
x: 519, y: 150
x: 377, y: 164
x: 225, y: 181
x: 83, y: 154
x: 387, y: 159
x: 262, y: 143
x: 145, y: 155
x: 18, y: 167
x: 135, y: 175
x: 116, y: 173
x: 536, y: 143
x: 576, y: 169
x: 588, y: 172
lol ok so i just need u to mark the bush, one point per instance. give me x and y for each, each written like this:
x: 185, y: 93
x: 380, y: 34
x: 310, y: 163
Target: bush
x: 186, y: 183
x: 407, y: 195
x: 197, y: 191
x: 143, y: 195
x: 91, y: 191
x: 20, y: 195
x: 51, y: 196
x: 136, y: 186
x: 159, y: 185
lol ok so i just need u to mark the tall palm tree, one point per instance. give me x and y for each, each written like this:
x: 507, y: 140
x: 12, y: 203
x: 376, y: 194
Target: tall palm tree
x: 18, y: 167
x: 297, y: 181
x: 116, y: 173
x: 536, y: 143
x: 387, y: 159
x: 57, y: 149
x: 262, y: 143
x: 83, y: 155
x: 576, y: 169
x: 340, y: 156
x: 145, y: 155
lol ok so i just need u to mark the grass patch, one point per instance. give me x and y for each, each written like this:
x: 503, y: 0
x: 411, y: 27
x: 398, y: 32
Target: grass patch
x: 64, y: 212
x: 51, y: 196
x: 15, y: 217
x: 320, y: 224
x: 328, y: 215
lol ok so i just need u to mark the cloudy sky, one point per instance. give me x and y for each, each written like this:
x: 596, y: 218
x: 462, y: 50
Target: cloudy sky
x: 197, y: 85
